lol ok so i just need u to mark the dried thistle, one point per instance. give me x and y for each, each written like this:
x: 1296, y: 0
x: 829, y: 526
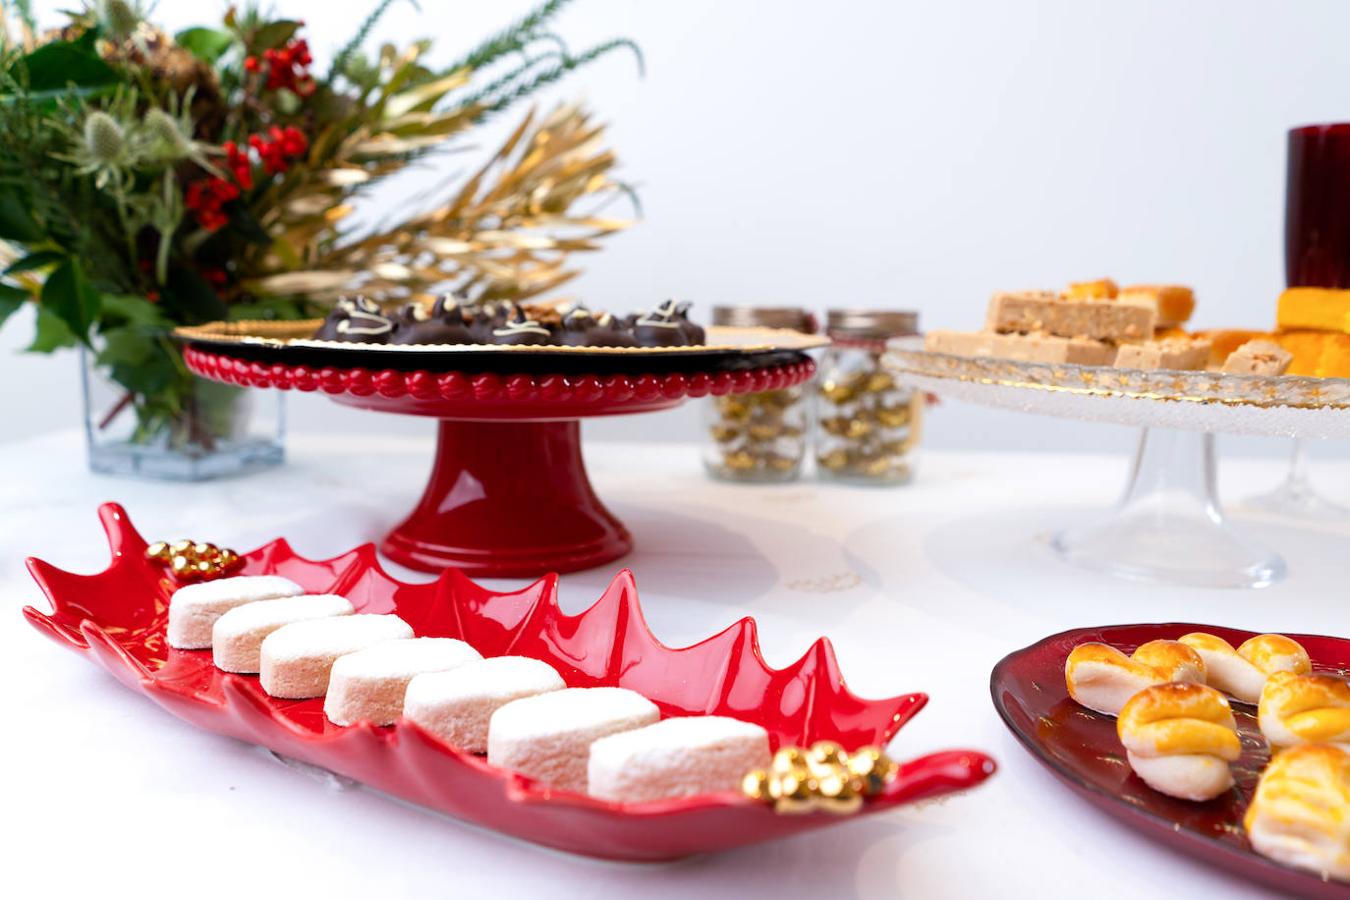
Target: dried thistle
x: 100, y: 148
x: 119, y: 18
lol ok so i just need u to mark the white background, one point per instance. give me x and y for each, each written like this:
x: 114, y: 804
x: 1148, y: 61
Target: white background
x: 896, y: 154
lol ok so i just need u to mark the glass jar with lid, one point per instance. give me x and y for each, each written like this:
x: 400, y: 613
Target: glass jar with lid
x: 867, y: 422
x: 759, y: 437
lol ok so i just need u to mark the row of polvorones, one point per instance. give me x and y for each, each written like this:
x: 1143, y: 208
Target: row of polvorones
x: 1174, y: 720
x: 606, y: 741
x: 453, y: 319
x: 1097, y: 323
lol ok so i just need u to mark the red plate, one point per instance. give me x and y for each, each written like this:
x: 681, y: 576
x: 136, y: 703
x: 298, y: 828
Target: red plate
x: 1080, y: 746
x: 118, y: 617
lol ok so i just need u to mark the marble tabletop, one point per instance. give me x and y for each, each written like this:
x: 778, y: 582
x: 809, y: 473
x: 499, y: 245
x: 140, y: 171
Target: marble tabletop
x: 921, y: 588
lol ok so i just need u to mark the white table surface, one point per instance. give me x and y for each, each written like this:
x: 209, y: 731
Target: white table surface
x: 929, y: 585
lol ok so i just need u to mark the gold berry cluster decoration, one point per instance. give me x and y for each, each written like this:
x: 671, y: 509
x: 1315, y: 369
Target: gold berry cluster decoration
x: 194, y: 559
x: 822, y: 777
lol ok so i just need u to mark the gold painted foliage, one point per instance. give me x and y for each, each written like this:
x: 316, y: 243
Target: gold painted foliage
x: 506, y: 233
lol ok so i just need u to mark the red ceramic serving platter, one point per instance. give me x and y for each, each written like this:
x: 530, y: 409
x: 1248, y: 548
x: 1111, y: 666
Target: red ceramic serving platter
x: 1080, y: 746
x: 118, y: 617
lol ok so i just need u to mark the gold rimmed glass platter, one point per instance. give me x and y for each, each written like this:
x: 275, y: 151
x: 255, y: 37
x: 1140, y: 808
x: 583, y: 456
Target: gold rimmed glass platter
x: 1283, y: 405
x: 1169, y: 526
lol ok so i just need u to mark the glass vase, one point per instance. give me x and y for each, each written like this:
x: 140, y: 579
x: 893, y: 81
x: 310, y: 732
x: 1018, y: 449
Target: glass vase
x: 196, y: 431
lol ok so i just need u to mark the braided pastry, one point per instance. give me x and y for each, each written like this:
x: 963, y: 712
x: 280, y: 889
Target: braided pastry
x: 1102, y: 678
x: 1241, y: 673
x: 1300, y: 813
x: 1180, y: 739
x: 1305, y: 709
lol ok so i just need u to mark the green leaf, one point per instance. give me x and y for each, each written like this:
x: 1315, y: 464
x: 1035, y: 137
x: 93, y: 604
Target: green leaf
x: 188, y: 298
x: 16, y: 223
x: 69, y: 296
x: 34, y: 261
x: 88, y: 39
x: 147, y: 378
x: 11, y: 298
x: 54, y: 66
x: 38, y: 98
x: 276, y: 308
x: 207, y: 44
x: 349, y: 49
x: 136, y: 359
x: 52, y: 333
x: 247, y: 227
x: 133, y: 310
x: 273, y: 35
x: 126, y: 346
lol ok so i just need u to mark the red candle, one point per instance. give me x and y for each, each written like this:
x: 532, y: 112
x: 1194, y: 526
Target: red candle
x: 1317, y: 207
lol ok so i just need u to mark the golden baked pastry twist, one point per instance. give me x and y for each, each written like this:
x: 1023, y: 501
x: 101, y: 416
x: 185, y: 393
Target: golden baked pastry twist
x: 1300, y: 813
x: 1102, y: 678
x: 1305, y: 709
x: 1180, y: 738
x: 1242, y: 672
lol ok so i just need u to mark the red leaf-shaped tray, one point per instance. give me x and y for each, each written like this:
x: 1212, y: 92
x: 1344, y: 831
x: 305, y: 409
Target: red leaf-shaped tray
x: 118, y: 616
x: 1080, y: 746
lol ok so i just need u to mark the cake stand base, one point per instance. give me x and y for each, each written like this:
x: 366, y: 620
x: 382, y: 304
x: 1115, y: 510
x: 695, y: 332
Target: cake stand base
x: 1296, y: 498
x: 508, y: 499
x: 1169, y: 526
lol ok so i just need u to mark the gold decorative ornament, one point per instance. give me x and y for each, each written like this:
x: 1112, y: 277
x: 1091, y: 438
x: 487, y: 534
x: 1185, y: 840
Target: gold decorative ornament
x: 822, y: 777
x: 758, y: 434
x: 872, y: 421
x: 194, y: 560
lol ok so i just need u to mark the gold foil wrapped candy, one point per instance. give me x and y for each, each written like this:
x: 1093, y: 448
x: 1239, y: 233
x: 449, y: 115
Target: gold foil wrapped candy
x: 758, y: 436
x: 868, y: 423
x: 870, y: 434
x: 194, y: 560
x: 823, y: 777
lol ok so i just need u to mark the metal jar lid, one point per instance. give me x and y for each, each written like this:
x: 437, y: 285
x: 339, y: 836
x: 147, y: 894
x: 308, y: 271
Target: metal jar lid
x: 871, y: 323
x: 794, y: 317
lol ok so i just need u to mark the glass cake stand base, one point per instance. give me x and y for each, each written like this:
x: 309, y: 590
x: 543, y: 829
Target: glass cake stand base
x: 1169, y: 527
x: 1296, y: 498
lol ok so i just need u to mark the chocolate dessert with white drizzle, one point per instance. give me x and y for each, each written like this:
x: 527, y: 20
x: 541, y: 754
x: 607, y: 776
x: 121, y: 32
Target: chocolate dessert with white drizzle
x: 456, y: 320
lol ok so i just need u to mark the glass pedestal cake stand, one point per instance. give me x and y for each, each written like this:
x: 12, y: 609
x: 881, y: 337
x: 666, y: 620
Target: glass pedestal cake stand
x: 1169, y: 526
x: 508, y: 494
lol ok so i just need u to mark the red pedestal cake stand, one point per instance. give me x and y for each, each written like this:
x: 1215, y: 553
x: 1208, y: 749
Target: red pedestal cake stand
x: 508, y: 494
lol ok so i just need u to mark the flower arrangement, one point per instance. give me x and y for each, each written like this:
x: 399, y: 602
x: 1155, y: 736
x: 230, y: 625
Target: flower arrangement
x: 149, y: 180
